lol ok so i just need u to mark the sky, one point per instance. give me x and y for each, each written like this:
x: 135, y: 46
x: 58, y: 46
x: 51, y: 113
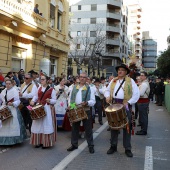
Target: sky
x: 155, y: 19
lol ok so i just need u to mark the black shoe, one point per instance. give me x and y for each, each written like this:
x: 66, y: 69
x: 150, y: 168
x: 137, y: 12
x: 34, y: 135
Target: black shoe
x: 72, y: 148
x: 91, y: 149
x: 108, y: 129
x: 112, y: 150
x: 141, y: 133
x: 128, y: 153
x: 38, y: 146
x: 104, y: 115
x: 44, y: 147
x: 100, y: 122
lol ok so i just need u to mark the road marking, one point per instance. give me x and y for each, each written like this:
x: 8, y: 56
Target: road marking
x: 148, y: 158
x: 76, y: 152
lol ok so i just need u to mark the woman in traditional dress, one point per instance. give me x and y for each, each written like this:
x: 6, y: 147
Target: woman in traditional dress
x: 61, y: 104
x: 43, y: 130
x: 13, y: 130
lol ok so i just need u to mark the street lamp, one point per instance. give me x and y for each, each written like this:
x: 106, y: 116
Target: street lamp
x: 98, y: 56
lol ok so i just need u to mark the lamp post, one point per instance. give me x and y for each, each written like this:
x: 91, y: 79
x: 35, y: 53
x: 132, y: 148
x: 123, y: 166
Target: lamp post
x: 98, y: 55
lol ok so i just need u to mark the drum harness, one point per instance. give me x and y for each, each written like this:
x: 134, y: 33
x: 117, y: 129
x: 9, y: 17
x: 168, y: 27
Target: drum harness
x: 44, y: 92
x: 116, y: 95
x: 24, y: 100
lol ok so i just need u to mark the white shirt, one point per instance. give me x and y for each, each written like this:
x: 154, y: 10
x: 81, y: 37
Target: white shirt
x: 29, y: 95
x: 120, y: 94
x: 78, y: 99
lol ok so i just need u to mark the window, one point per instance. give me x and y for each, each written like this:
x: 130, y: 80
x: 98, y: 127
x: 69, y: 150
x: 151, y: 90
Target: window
x: 53, y: 66
x: 78, y: 33
x: 93, y: 7
x: 78, y: 46
x: 52, y: 16
x: 79, y: 7
x: 92, y: 33
x: 59, y: 21
x: 78, y: 20
x: 92, y: 20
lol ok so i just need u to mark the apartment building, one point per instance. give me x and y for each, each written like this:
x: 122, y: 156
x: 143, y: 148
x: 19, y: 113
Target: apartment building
x: 134, y: 31
x: 149, y: 52
x: 103, y: 19
x: 34, y: 39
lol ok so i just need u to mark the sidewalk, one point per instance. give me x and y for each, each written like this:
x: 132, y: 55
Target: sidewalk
x: 25, y: 157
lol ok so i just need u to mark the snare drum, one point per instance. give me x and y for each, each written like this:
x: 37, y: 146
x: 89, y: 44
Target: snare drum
x: 5, y: 113
x: 37, y: 112
x: 116, y: 116
x: 77, y: 114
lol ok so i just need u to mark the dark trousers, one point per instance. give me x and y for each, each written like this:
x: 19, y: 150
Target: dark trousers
x: 126, y: 135
x: 143, y: 114
x: 26, y: 117
x: 87, y: 123
x: 98, y: 106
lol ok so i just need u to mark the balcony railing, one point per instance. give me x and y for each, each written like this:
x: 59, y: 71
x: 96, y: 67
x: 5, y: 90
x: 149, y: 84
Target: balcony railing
x: 17, y: 10
x: 115, y: 2
x: 114, y: 15
x: 113, y: 28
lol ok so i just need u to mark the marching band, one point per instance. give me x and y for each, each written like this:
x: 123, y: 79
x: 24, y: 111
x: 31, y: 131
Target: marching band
x: 41, y: 107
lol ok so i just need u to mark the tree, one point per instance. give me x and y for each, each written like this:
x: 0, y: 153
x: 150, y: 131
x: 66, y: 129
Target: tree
x: 84, y: 46
x: 163, y: 63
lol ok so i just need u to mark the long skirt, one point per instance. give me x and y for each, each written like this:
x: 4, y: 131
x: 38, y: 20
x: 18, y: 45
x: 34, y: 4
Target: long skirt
x: 11, y: 140
x: 47, y: 140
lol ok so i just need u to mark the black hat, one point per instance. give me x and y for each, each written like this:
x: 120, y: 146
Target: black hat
x: 97, y: 80
x: 123, y: 66
x: 102, y: 78
x: 32, y: 72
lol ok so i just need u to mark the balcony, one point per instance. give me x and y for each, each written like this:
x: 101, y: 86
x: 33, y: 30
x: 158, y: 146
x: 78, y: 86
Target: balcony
x: 138, y: 20
x: 138, y: 43
x: 137, y: 37
x: 114, y: 41
x: 113, y: 28
x: 114, y: 15
x: 139, y: 14
x: 116, y: 3
x: 10, y: 10
x: 138, y: 26
x: 113, y: 53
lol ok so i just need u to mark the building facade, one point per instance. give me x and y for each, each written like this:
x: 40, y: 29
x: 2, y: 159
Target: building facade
x: 102, y: 25
x: 149, y: 52
x: 34, y: 40
x: 134, y: 31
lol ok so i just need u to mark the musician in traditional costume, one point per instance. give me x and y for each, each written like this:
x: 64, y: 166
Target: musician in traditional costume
x: 13, y: 130
x: 122, y: 89
x: 82, y: 94
x: 43, y: 130
x: 27, y: 91
x: 143, y: 103
x: 61, y: 104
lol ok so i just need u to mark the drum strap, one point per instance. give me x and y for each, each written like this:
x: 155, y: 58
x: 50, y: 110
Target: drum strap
x: 27, y: 87
x: 44, y: 92
x: 6, y: 97
x: 87, y: 93
x: 120, y: 87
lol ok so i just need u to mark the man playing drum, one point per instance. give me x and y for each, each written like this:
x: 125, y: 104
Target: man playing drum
x: 82, y: 94
x: 122, y: 89
x: 28, y: 90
